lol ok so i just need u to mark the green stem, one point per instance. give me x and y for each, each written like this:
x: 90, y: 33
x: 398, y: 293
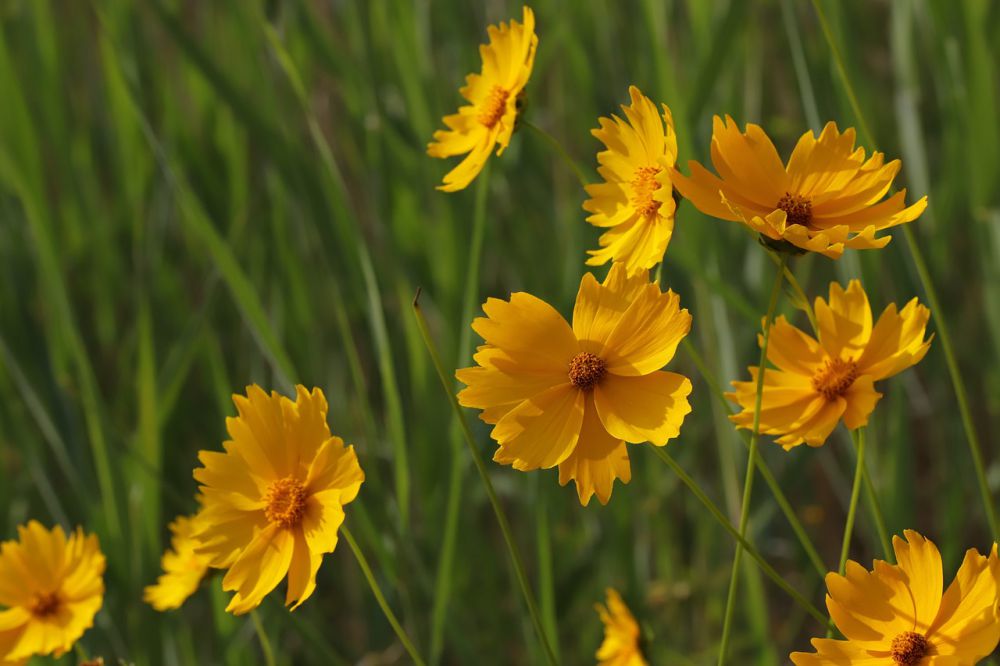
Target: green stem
x: 874, y: 508
x: 477, y: 458
x: 853, y: 506
x: 379, y: 597
x: 265, y: 643
x: 751, y: 461
x: 551, y: 140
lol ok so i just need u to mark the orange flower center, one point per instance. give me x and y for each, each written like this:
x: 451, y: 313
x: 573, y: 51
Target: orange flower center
x: 798, y: 209
x: 644, y: 186
x: 586, y: 369
x: 46, y: 604
x: 285, y: 502
x: 909, y: 648
x: 493, y: 106
x: 835, y: 377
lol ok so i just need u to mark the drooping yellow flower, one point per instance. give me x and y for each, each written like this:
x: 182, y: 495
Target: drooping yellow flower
x: 897, y: 615
x: 273, y: 502
x: 51, y: 587
x: 635, y: 202
x: 571, y: 396
x: 826, y: 198
x: 488, y: 120
x: 819, y: 382
x: 183, y: 568
x: 621, y: 634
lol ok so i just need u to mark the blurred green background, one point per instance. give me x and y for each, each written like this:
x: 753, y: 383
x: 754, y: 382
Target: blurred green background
x: 196, y: 196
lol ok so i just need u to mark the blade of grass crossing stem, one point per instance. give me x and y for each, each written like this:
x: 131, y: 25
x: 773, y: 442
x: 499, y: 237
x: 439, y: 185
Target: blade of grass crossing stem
x: 845, y: 548
x: 546, y: 584
x: 515, y: 554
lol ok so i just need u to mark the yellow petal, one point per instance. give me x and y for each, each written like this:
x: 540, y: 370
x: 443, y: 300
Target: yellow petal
x: 647, y: 335
x: 831, y: 652
x: 258, y: 569
x: 870, y: 608
x: 645, y: 408
x: 861, y: 399
x: 301, y: 571
x: 845, y: 323
x: 529, y: 330
x: 600, y: 307
x: 540, y: 432
x: 897, y: 341
x: 968, y: 622
x: 597, y: 460
x: 920, y: 560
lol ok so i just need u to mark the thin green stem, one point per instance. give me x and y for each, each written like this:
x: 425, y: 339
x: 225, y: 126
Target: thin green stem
x: 751, y: 461
x: 845, y: 546
x: 800, y: 294
x: 874, y: 507
x: 768, y: 570
x: 515, y: 554
x: 265, y: 642
x: 380, y: 598
x: 551, y: 140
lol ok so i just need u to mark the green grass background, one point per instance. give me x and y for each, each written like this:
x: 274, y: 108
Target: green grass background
x: 196, y: 196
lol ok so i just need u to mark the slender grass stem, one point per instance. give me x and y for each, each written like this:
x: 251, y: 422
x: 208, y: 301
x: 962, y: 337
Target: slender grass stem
x: 551, y: 140
x: 265, y: 642
x: 380, y: 597
x: 845, y: 547
x: 515, y: 554
x: 751, y: 461
x: 874, y: 507
x: 972, y: 436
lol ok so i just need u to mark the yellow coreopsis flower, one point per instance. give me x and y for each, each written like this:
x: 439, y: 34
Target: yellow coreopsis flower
x: 897, y: 615
x: 635, y: 202
x: 571, y: 396
x: 183, y: 568
x: 488, y: 120
x: 52, y: 587
x: 621, y: 634
x: 826, y: 198
x: 273, y: 502
x: 819, y: 382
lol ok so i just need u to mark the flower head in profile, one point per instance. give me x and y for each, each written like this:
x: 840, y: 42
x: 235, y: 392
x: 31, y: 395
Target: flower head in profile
x: 621, y: 634
x: 827, y: 198
x: 183, y: 568
x: 51, y: 587
x: 819, y: 382
x: 635, y: 202
x: 274, y: 501
x: 573, y: 395
x: 493, y: 97
x: 897, y: 614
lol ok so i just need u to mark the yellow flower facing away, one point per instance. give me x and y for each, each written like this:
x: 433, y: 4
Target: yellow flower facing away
x: 621, y: 634
x: 635, y: 202
x: 493, y: 97
x: 274, y: 501
x: 573, y: 395
x: 897, y: 614
x: 818, y: 383
x: 183, y: 568
x: 51, y: 587
x: 827, y: 198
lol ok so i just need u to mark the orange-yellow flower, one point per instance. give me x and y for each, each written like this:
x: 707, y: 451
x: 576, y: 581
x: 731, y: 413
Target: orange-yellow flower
x: 819, y: 382
x: 51, y: 587
x: 897, y: 615
x: 488, y: 120
x: 621, y: 634
x: 635, y: 202
x: 826, y: 198
x: 183, y: 568
x: 274, y: 501
x: 571, y: 396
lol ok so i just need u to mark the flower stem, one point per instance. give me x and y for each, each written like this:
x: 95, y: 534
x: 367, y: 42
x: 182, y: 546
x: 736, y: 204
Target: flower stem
x: 379, y: 597
x: 751, y: 461
x: 265, y: 643
x: 875, y: 509
x: 515, y: 555
x: 855, y: 493
x: 551, y: 140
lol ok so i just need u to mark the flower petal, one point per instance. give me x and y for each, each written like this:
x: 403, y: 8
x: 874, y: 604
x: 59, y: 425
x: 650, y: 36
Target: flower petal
x: 968, y: 621
x: 540, y: 432
x: 600, y: 306
x: 845, y: 323
x: 921, y: 562
x: 646, y: 408
x: 647, y: 335
x: 598, y: 459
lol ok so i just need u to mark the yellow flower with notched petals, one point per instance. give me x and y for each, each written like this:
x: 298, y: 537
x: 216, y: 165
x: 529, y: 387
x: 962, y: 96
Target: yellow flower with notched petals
x: 819, y: 382
x: 183, y: 568
x: 571, y: 396
x: 827, y: 198
x: 273, y: 502
x: 897, y: 615
x: 52, y: 587
x: 621, y: 634
x: 635, y: 202
x: 488, y: 120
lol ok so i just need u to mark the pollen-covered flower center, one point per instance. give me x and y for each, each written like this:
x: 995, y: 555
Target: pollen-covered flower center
x: 798, y: 209
x: 493, y: 106
x: 835, y: 377
x: 285, y: 502
x: 908, y: 648
x: 644, y: 186
x: 586, y: 369
x: 45, y: 604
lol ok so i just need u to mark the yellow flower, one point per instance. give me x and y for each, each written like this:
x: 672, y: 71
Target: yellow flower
x: 897, y: 615
x: 52, y: 587
x: 273, y: 502
x: 621, y: 634
x: 183, y: 568
x: 635, y: 202
x: 572, y: 396
x: 819, y: 382
x: 488, y: 119
x: 826, y: 198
